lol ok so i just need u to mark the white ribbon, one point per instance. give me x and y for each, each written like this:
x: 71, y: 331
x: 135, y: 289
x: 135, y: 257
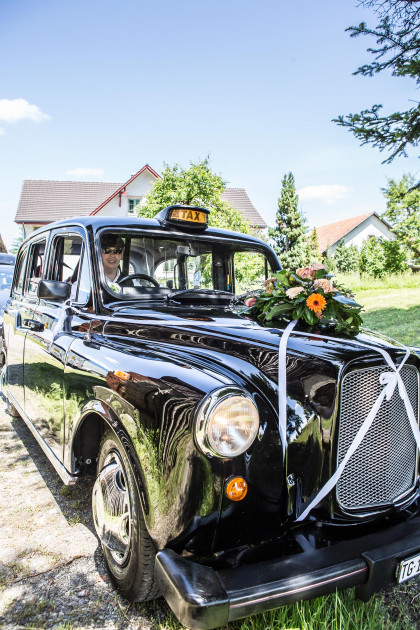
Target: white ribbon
x: 283, y: 383
x: 389, y: 380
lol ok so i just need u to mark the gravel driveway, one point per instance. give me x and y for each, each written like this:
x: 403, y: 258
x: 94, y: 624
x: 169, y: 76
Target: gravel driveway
x: 52, y: 574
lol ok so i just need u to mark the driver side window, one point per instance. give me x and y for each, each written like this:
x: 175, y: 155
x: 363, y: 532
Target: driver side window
x: 70, y: 264
x: 35, y: 267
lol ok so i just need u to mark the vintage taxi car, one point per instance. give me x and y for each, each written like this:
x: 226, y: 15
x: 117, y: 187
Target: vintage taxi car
x: 124, y: 352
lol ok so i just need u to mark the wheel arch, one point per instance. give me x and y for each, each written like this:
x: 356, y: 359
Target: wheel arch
x: 96, y: 418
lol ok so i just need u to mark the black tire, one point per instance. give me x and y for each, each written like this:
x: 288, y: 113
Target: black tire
x: 131, y: 570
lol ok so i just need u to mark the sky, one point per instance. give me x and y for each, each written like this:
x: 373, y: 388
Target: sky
x: 92, y: 91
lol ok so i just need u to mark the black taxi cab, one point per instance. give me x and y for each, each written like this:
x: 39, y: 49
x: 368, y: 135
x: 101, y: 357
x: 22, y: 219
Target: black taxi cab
x: 125, y: 352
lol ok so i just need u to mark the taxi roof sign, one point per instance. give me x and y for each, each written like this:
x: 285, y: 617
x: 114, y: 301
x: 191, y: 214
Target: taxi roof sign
x: 187, y: 216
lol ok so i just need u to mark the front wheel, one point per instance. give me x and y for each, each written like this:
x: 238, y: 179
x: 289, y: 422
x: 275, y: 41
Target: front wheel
x: 119, y: 523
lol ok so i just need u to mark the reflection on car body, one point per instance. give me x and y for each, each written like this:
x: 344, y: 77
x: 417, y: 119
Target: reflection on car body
x: 124, y: 350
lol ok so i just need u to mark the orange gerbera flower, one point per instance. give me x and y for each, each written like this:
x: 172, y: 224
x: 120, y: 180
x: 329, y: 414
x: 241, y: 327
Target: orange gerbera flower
x: 316, y: 302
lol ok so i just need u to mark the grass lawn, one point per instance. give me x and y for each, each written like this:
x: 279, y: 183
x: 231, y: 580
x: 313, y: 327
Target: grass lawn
x: 395, y: 312
x: 391, y: 304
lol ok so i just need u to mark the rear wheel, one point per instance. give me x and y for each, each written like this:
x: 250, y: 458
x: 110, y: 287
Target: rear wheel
x: 119, y: 522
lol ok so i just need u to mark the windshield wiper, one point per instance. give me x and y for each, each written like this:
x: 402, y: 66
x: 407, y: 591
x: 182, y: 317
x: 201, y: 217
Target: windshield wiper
x: 132, y: 303
x: 171, y: 297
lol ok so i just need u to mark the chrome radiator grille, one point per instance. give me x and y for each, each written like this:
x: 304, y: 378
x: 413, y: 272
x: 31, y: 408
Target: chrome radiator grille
x: 383, y: 468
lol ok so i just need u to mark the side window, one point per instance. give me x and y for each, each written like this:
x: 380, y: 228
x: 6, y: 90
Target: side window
x: 19, y: 271
x: 250, y: 271
x: 66, y: 252
x: 70, y: 264
x: 35, y: 268
x: 84, y: 286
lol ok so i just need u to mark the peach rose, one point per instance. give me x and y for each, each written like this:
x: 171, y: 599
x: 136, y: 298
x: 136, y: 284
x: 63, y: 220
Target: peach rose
x: 250, y: 301
x: 317, y: 266
x: 304, y: 272
x: 325, y: 284
x: 293, y: 292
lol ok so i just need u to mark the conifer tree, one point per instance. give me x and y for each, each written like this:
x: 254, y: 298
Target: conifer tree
x: 314, y: 255
x: 289, y: 234
x: 397, y: 51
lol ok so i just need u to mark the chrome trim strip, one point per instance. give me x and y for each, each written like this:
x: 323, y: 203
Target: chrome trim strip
x: 67, y: 478
x: 301, y: 589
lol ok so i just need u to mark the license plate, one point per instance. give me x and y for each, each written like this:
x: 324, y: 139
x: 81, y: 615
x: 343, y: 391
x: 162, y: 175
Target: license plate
x: 408, y: 568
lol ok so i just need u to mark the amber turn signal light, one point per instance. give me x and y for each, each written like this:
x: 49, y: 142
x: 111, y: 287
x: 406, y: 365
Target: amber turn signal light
x: 123, y: 375
x: 236, y: 489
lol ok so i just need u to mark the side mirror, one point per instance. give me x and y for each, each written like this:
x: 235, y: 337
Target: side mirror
x: 54, y: 290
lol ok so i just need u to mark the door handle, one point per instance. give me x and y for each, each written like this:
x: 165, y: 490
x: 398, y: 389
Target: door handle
x: 32, y: 324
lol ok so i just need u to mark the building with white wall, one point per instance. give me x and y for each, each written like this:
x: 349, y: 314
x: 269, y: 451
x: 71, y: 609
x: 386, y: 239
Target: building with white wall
x: 353, y: 231
x: 44, y: 201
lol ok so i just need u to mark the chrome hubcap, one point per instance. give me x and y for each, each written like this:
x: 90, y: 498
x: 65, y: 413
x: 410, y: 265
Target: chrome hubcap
x: 111, y: 508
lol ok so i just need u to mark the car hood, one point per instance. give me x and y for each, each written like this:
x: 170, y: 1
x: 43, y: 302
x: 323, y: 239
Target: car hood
x: 248, y: 351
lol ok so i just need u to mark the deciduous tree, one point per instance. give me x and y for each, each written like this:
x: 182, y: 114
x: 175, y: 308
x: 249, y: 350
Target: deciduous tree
x: 372, y: 257
x: 346, y: 257
x: 403, y: 211
x: 196, y: 186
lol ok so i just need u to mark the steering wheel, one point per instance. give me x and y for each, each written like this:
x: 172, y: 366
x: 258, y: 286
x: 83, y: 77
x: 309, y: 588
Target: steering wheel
x: 139, y: 276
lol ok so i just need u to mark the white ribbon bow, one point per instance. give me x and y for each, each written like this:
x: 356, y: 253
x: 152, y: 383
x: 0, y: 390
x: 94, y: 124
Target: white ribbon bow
x: 390, y: 380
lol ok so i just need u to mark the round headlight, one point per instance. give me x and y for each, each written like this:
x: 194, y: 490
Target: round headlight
x: 227, y: 424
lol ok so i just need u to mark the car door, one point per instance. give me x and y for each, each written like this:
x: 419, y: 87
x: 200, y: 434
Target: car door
x: 48, y: 340
x: 18, y: 314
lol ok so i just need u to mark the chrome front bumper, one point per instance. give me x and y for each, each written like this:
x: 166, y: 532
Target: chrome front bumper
x: 203, y: 598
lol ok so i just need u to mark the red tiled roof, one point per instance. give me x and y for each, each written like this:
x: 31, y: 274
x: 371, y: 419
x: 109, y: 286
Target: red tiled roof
x: 333, y: 232
x: 44, y: 201
x: 238, y: 198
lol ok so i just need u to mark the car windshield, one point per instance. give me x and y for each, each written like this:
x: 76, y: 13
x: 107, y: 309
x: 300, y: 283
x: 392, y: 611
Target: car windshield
x: 135, y: 265
x: 6, y: 277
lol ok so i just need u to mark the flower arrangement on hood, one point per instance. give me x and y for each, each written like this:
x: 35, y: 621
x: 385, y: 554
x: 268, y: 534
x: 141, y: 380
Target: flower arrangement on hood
x: 307, y: 294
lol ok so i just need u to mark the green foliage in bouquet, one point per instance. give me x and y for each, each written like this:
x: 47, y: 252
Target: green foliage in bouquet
x: 307, y: 294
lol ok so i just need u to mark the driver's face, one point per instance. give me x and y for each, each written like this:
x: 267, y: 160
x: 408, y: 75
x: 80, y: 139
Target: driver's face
x: 111, y: 257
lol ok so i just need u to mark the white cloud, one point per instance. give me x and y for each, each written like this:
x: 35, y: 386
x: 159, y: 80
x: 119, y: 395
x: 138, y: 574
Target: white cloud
x: 2, y: 131
x: 329, y: 193
x: 14, y: 110
x: 85, y: 172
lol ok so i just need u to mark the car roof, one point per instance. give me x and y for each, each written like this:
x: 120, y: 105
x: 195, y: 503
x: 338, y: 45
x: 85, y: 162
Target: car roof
x: 96, y: 224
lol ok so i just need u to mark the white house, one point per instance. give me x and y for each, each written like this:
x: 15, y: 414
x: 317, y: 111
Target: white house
x: 353, y: 231
x: 44, y: 201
